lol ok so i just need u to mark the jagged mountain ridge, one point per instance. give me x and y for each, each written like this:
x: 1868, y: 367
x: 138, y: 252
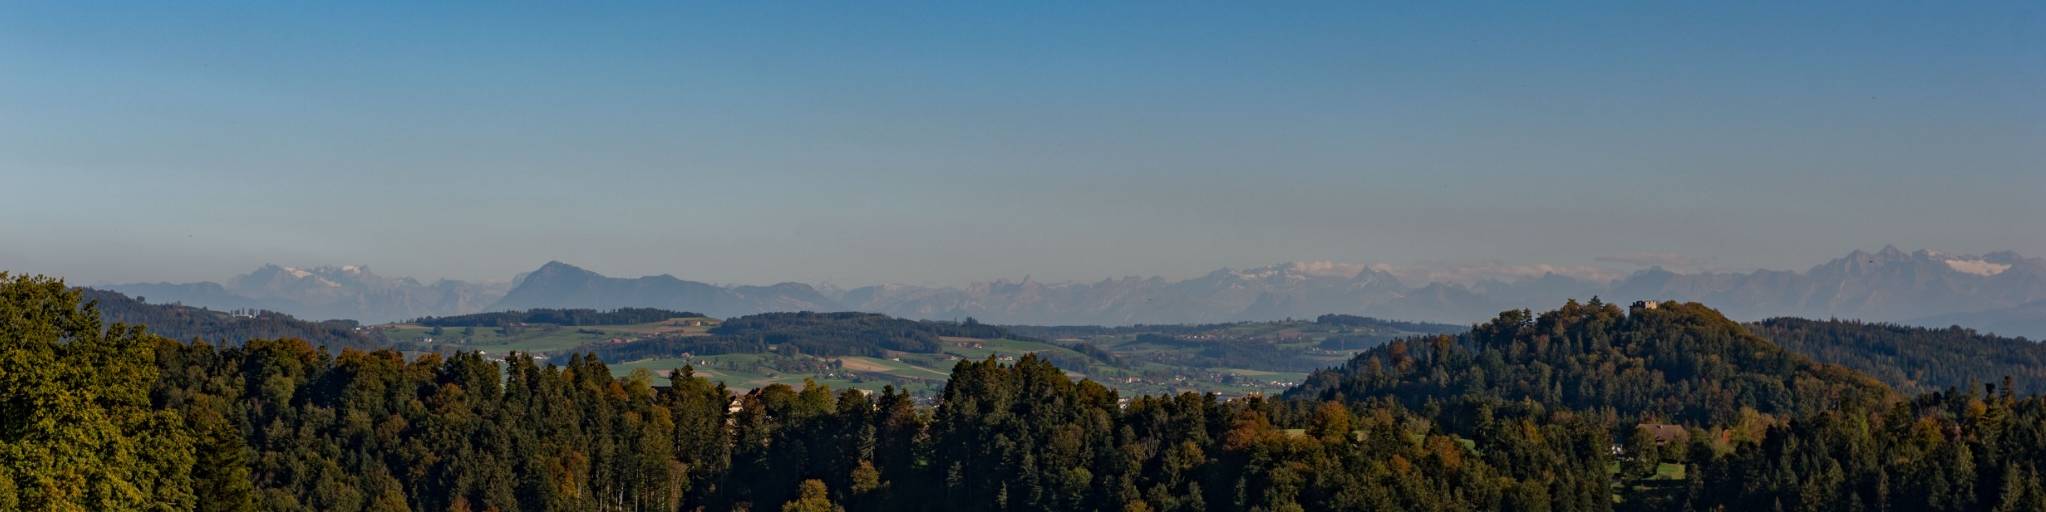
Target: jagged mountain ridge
x: 327, y: 292
x: 1996, y: 290
x: 1922, y: 287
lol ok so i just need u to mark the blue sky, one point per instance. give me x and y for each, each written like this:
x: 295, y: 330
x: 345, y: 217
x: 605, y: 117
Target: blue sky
x: 941, y: 143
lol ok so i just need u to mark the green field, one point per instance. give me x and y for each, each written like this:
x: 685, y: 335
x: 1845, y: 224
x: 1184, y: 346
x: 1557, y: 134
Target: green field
x: 1145, y: 368
x: 1664, y: 471
x: 917, y: 372
x: 743, y: 372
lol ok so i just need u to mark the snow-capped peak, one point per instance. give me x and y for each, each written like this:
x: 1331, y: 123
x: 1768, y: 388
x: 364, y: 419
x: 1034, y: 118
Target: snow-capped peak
x: 1326, y: 268
x: 1297, y: 271
x: 1978, y: 267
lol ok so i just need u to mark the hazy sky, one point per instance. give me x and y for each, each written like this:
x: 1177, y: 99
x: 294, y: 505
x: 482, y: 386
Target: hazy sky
x: 940, y: 143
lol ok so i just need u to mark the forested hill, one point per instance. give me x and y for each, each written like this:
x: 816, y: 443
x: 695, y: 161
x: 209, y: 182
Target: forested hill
x: 187, y: 323
x: 557, y: 317
x: 120, y: 419
x: 1914, y: 359
x: 1673, y: 362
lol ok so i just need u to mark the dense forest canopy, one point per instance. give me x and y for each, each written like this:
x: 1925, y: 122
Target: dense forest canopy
x: 1667, y: 362
x: 116, y: 418
x: 1914, y: 359
x: 78, y: 430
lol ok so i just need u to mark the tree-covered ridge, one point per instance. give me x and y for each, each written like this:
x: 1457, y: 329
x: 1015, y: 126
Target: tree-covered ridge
x: 281, y: 425
x: 1025, y: 437
x: 882, y: 328
x: 1914, y: 359
x: 1365, y: 321
x: 182, y: 322
x: 118, y: 419
x: 1670, y: 362
x: 557, y: 317
x: 291, y: 428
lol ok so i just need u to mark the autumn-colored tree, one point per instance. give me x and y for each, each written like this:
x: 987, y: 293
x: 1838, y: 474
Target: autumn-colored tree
x: 812, y: 496
x: 77, y: 429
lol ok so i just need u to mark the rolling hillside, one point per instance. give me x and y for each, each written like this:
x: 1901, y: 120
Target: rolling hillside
x: 186, y: 323
x: 1666, y: 362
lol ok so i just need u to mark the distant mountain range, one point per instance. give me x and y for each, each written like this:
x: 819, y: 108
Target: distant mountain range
x: 2000, y: 292
x: 350, y: 292
x: 1923, y: 287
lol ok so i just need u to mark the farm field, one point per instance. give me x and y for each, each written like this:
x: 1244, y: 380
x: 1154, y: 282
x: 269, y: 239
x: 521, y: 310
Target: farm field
x: 1230, y: 359
x: 537, y: 339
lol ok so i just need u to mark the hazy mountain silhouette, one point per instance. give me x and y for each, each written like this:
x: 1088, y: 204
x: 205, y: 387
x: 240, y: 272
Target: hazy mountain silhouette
x: 1996, y: 291
x: 561, y: 285
x: 2000, y: 292
x: 350, y: 292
